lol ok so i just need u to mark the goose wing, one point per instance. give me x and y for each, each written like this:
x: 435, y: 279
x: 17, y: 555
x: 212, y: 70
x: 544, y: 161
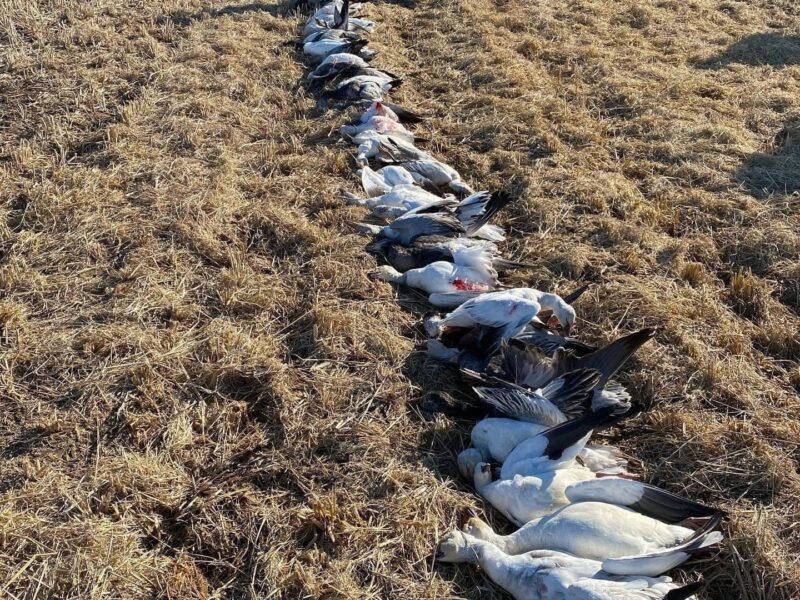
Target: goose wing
x: 408, y: 228
x: 567, y: 396
x: 600, y: 589
x: 663, y: 560
x: 501, y: 309
x: 548, y: 342
x: 477, y: 209
x: 642, y: 497
x: 527, y: 366
x: 374, y: 185
x: 609, y: 359
x: 519, y: 405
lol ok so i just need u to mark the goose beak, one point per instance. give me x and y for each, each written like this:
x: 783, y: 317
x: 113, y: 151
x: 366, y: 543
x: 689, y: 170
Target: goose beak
x: 567, y: 329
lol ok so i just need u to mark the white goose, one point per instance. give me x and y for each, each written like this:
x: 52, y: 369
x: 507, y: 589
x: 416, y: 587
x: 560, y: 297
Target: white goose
x: 337, y: 63
x: 377, y: 183
x: 366, y: 87
x: 529, y: 449
x: 391, y: 111
x: 494, y: 438
x: 403, y: 198
x: 381, y: 124
x: 428, y: 171
x: 319, y: 50
x: 525, y: 498
x: 470, y: 270
x: 372, y: 144
x: 593, y: 530
x: 508, y: 310
x: 548, y: 575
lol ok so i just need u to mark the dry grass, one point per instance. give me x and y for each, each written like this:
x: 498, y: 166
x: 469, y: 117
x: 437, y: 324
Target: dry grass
x: 205, y: 397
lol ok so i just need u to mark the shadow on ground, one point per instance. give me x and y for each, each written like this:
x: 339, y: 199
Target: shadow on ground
x: 772, y: 49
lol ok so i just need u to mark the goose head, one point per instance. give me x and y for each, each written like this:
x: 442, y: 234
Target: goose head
x: 468, y: 462
x: 561, y: 309
x: 455, y: 547
x: 565, y: 315
x: 386, y: 273
x: 482, y: 474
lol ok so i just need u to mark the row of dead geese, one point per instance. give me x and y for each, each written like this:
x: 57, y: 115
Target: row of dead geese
x: 586, y: 528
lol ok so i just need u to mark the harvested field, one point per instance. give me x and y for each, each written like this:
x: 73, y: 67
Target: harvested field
x: 205, y: 396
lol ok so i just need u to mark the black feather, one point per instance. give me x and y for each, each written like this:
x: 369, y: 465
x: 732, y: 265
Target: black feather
x: 668, y: 507
x: 561, y: 437
x: 405, y: 115
x: 687, y: 591
x: 609, y: 359
x: 570, y: 298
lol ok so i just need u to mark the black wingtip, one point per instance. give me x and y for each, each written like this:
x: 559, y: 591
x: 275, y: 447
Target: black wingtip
x: 561, y: 437
x: 496, y: 202
x: 686, y: 591
x: 574, y: 396
x: 405, y: 115
x: 356, y: 46
x: 610, y: 358
x: 573, y: 297
x: 710, y: 525
x: 668, y: 507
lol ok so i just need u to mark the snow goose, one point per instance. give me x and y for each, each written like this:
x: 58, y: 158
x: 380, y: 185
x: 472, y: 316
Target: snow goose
x: 423, y: 253
x: 404, y: 198
x: 495, y: 438
x: 410, y: 227
x: 377, y: 183
x: 549, y: 575
x: 567, y: 397
x: 380, y: 124
x: 525, y: 498
x: 337, y: 64
x: 473, y: 333
x: 593, y: 530
x: 474, y: 212
x: 368, y: 87
x: 354, y: 24
x: 331, y: 34
x: 527, y: 369
x: 393, y: 111
x: 319, y: 50
x: 560, y: 444
x: 334, y: 15
x: 507, y: 312
x: 429, y: 171
x: 471, y: 270
x: 378, y: 109
x: 372, y: 144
